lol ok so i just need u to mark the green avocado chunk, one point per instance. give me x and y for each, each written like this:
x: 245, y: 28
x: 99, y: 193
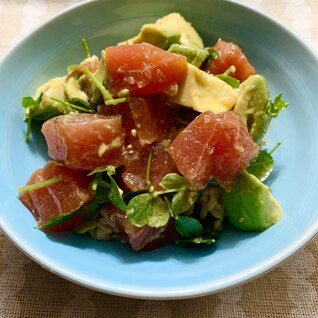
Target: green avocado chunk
x: 202, y: 92
x: 161, y: 36
x: 172, y: 28
x: 48, y: 108
x: 194, y: 56
x: 189, y: 36
x: 253, y: 105
x: 250, y: 205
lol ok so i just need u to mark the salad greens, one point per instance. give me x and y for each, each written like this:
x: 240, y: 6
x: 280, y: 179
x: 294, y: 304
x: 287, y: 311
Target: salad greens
x: 233, y: 82
x: 155, y: 207
x: 188, y: 227
x: 107, y: 190
x: 61, y: 219
x: 76, y: 104
x: 278, y: 105
x: 262, y: 165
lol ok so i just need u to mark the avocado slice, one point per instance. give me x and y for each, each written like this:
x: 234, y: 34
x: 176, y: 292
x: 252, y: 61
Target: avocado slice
x: 189, y: 35
x: 73, y: 89
x: 54, y: 88
x: 172, y: 28
x: 202, y: 92
x: 161, y: 36
x: 253, y: 105
x: 250, y: 205
x: 194, y: 56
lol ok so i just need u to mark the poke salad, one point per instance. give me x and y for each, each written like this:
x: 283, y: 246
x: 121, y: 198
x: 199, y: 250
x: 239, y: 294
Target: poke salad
x: 158, y: 140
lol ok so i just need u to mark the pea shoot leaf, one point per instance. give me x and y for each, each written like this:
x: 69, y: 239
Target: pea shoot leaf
x: 115, y: 195
x: 29, y: 102
x: 61, y: 219
x: 145, y: 209
x: 35, y: 111
x: 159, y: 213
x: 107, y: 191
x: 139, y: 208
x: 182, y: 201
x: 173, y: 181
x: 188, y: 227
x: 278, y: 105
x: 262, y: 165
x: 192, y: 232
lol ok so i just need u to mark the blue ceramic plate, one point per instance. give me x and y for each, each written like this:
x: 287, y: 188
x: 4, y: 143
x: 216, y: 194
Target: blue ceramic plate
x: 169, y: 272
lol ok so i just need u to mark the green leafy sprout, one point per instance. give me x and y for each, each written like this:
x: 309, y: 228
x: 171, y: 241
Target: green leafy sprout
x: 278, y: 105
x: 31, y: 105
x: 40, y: 184
x: 233, y: 82
x: 85, y: 48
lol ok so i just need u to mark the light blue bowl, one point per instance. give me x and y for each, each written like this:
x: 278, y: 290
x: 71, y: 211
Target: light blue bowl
x: 170, y: 272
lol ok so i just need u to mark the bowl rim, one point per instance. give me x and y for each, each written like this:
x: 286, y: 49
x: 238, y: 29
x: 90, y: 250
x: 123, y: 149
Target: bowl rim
x: 208, y: 288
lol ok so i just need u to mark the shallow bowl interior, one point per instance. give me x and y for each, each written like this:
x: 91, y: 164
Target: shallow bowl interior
x: 169, y: 272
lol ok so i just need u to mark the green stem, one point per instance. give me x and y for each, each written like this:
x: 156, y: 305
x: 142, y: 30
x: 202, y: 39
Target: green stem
x: 156, y: 193
x: 79, y: 108
x: 98, y: 84
x: 116, y: 101
x: 147, y: 180
x: 230, y: 70
x: 27, y: 134
x: 39, y: 185
x: 277, y: 145
x: 97, y: 179
x: 85, y: 48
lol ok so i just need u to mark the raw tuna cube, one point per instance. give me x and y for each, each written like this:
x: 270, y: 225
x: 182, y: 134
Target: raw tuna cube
x: 151, y: 118
x: 63, y: 197
x: 144, y: 120
x: 143, y: 69
x: 213, y: 146
x: 85, y: 141
x: 230, y: 54
x: 134, y: 174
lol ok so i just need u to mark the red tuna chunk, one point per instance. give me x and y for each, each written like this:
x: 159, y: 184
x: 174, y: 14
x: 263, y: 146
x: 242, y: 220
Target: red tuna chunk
x: 213, y: 146
x: 151, y: 118
x: 148, y: 116
x: 230, y: 54
x: 63, y: 197
x: 134, y: 174
x: 143, y: 69
x: 84, y: 141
